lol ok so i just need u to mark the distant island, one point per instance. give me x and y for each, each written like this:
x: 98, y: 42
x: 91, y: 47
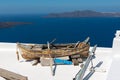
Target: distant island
x: 11, y: 24
x: 84, y: 13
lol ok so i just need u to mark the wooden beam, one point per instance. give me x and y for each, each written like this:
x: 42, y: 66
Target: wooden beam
x: 8, y: 75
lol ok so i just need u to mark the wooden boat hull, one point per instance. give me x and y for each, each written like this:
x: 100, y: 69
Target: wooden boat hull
x: 28, y: 51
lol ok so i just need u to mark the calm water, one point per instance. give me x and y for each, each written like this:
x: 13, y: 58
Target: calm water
x: 100, y: 30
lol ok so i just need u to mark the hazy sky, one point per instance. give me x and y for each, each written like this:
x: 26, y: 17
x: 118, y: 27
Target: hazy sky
x: 48, y: 6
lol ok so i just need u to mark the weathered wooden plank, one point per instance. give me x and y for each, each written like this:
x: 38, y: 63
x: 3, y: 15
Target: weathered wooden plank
x: 8, y: 75
x: 75, y: 62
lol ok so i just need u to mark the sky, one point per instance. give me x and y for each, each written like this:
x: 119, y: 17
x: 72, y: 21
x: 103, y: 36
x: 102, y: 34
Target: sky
x: 55, y: 6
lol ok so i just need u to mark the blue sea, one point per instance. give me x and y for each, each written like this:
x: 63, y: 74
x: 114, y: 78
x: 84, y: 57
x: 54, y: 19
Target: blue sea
x: 101, y: 30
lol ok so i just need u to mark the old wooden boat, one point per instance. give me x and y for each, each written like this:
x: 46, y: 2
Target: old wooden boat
x: 39, y: 52
x: 35, y: 51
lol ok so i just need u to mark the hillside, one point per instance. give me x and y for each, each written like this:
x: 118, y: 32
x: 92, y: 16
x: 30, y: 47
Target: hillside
x: 84, y: 13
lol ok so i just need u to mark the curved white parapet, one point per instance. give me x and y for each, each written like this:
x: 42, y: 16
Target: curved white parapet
x: 9, y: 47
x: 116, y: 42
x: 114, y: 72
